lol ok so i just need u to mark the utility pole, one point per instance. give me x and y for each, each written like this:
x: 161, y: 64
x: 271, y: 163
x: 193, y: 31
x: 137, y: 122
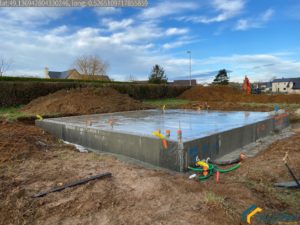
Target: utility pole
x: 190, y: 53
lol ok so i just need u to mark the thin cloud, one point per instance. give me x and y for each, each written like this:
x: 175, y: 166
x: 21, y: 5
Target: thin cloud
x: 258, y: 22
x: 117, y: 25
x: 225, y: 9
x: 181, y: 41
x: 175, y: 44
x: 176, y: 31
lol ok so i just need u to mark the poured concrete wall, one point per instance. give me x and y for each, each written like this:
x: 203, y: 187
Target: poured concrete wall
x: 150, y: 149
x: 146, y: 149
x: 220, y: 144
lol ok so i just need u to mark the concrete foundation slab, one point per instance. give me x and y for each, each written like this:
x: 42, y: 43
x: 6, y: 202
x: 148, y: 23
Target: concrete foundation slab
x: 204, y: 133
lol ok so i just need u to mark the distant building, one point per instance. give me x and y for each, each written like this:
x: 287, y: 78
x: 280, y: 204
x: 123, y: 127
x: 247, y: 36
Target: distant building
x: 286, y: 85
x: 184, y: 82
x: 73, y: 74
x: 263, y: 86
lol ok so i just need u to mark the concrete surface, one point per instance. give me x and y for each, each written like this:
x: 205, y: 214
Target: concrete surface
x: 204, y: 134
x: 194, y: 124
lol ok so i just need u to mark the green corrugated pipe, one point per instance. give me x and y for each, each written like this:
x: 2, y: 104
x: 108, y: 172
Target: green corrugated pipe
x: 228, y: 170
x: 211, y: 169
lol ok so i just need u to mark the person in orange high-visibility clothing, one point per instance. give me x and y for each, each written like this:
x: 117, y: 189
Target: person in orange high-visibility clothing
x: 247, y: 86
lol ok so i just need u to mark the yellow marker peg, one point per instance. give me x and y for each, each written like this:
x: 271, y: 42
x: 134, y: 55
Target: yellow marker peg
x: 39, y: 117
x: 202, y: 164
x: 159, y: 135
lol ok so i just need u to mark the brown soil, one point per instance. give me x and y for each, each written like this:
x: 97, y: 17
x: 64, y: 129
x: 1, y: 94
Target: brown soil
x: 83, y: 101
x: 32, y: 161
x: 230, y: 94
x: 228, y: 106
x: 232, y: 99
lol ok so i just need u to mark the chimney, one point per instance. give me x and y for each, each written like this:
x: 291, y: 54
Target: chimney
x: 47, y: 73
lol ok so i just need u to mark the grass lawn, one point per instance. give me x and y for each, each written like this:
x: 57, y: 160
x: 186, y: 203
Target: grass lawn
x: 14, y: 113
x: 11, y: 113
x: 168, y: 102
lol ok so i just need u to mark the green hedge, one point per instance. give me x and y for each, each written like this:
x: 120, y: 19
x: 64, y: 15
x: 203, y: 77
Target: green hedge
x: 14, y: 93
x: 149, y: 91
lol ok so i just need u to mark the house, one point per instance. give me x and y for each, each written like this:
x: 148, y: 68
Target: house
x: 286, y: 85
x: 73, y: 74
x: 184, y: 82
x: 263, y: 86
x: 266, y: 86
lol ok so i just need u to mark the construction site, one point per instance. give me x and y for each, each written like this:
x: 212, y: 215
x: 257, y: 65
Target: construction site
x: 149, y: 112
x: 96, y: 156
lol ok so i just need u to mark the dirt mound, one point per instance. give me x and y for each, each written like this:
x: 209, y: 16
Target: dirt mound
x: 83, y: 101
x: 230, y: 94
x: 213, y: 93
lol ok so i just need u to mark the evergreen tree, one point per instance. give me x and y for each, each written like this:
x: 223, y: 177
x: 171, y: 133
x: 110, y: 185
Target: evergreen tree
x: 221, y: 78
x: 157, y: 75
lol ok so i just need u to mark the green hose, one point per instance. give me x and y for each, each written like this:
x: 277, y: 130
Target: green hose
x: 228, y: 170
x: 211, y: 169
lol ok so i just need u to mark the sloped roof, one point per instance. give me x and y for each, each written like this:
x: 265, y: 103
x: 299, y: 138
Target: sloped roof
x: 268, y: 84
x: 59, y: 75
x: 281, y: 80
x: 295, y: 81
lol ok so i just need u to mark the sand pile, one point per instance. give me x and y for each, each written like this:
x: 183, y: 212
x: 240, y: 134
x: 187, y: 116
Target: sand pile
x: 83, y: 101
x: 230, y: 94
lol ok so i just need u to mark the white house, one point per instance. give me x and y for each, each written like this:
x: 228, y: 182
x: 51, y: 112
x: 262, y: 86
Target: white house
x: 286, y: 85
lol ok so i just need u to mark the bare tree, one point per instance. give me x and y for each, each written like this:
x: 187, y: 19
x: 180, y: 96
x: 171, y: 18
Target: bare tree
x: 4, y: 65
x: 131, y: 78
x: 90, y: 65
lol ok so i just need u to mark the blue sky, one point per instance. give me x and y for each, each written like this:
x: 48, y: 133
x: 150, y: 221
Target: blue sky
x: 257, y: 38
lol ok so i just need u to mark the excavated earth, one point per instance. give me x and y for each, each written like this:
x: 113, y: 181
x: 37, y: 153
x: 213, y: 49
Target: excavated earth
x: 32, y: 161
x: 230, y: 94
x: 233, y: 99
x: 82, y: 101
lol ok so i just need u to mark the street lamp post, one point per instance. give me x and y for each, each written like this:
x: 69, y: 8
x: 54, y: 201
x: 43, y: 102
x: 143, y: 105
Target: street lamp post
x: 190, y: 53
